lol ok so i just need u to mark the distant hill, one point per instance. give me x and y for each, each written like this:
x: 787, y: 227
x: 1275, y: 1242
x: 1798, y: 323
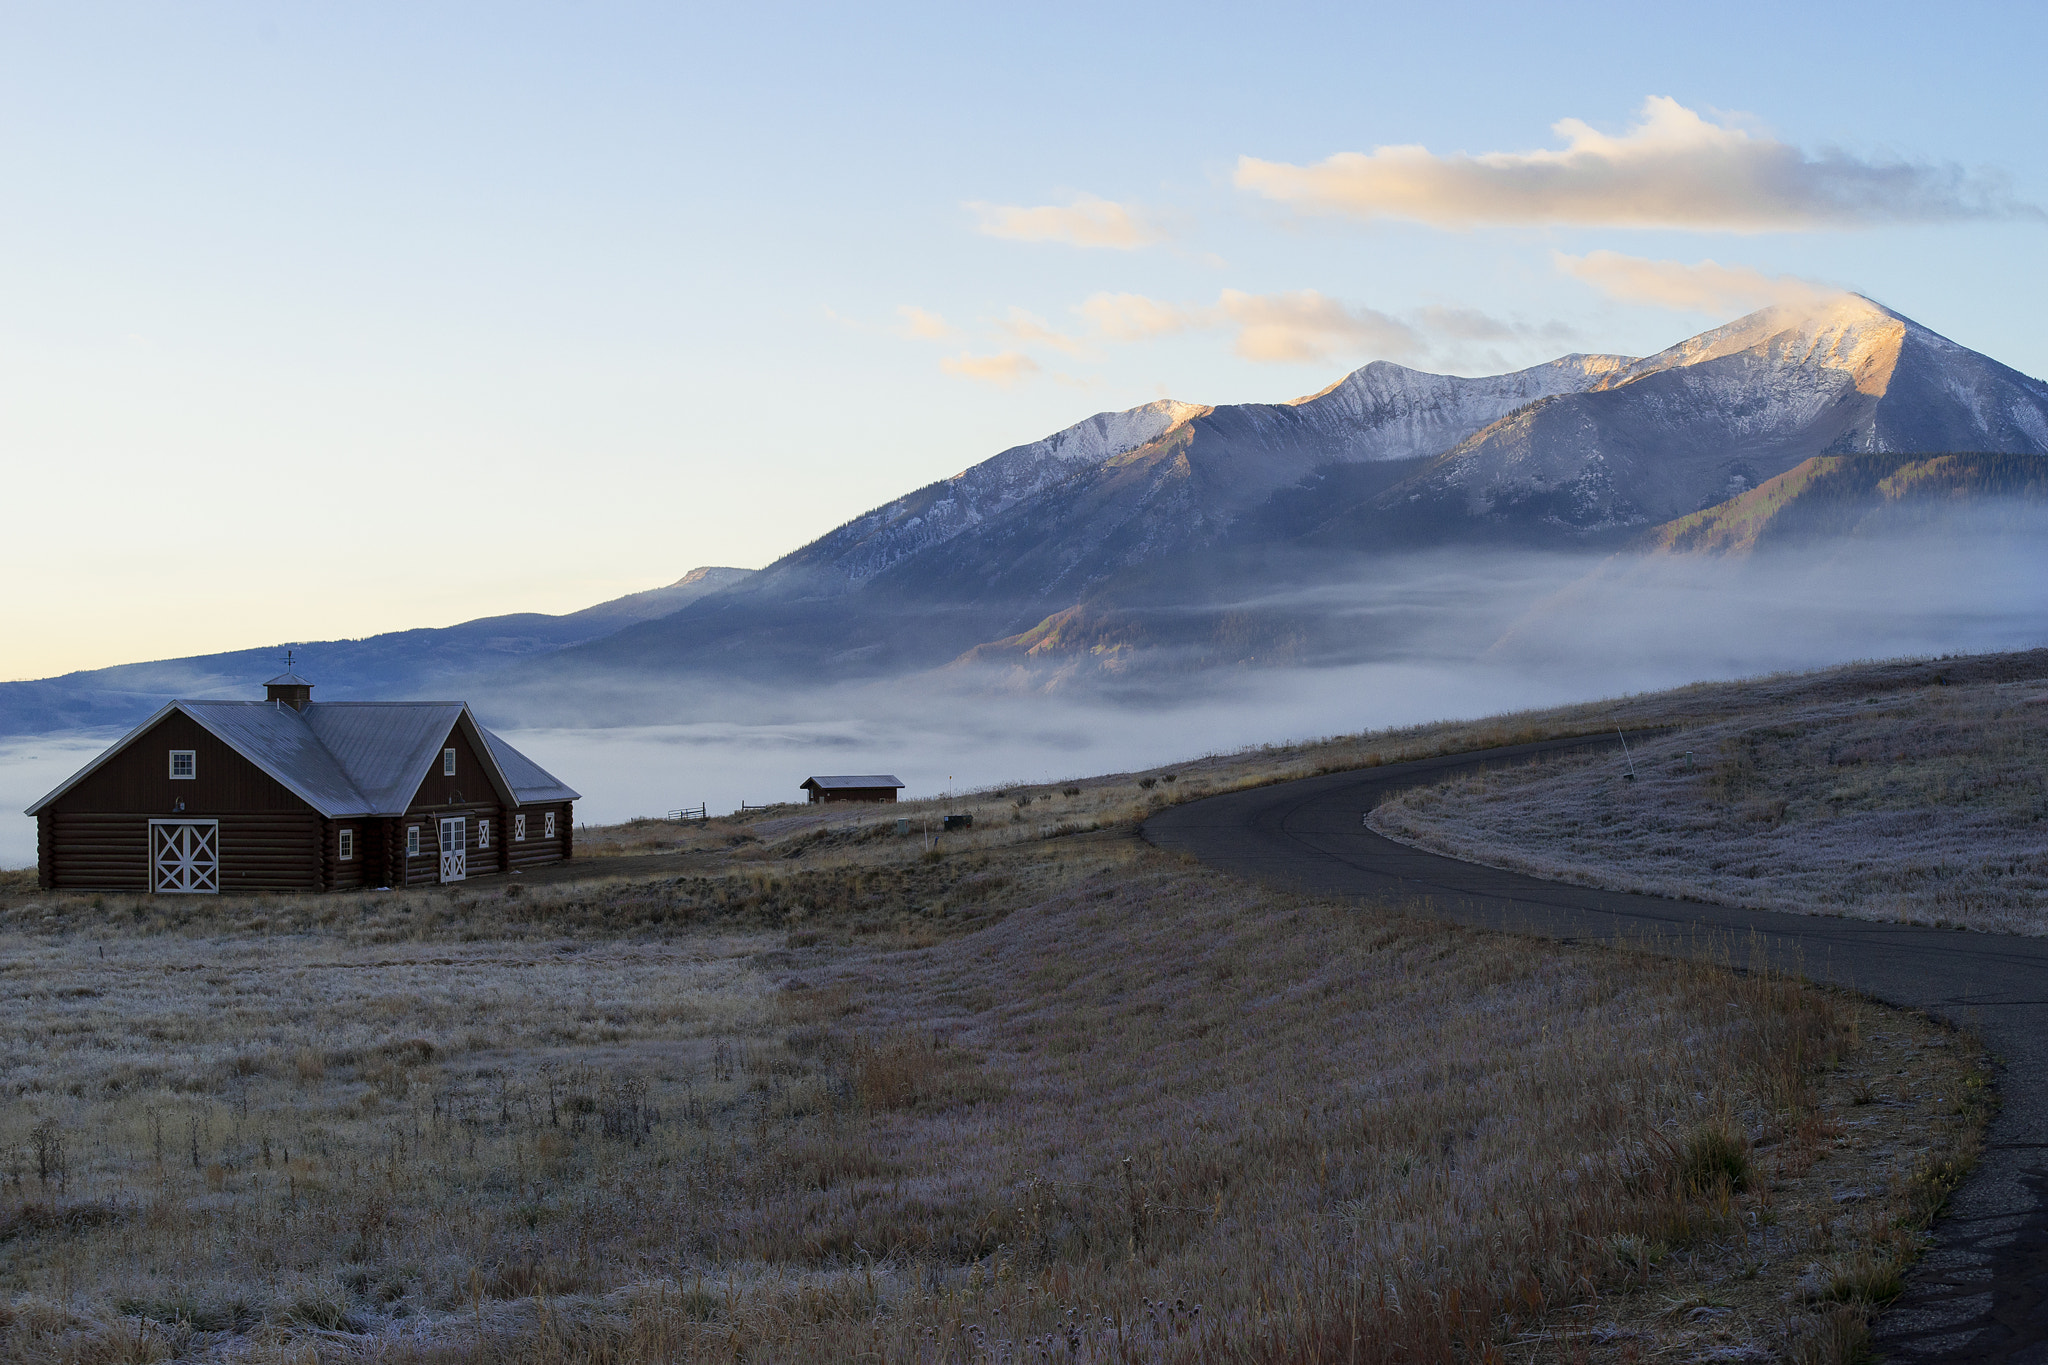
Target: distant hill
x: 1864, y: 496
x: 400, y: 664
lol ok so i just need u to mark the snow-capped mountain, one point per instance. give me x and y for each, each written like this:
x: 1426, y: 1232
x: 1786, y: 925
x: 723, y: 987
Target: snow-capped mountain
x: 1726, y: 410
x: 1179, y: 524
x: 1172, y: 503
x: 1238, y: 454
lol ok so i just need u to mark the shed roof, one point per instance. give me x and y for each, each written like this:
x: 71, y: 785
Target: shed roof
x: 347, y: 758
x: 289, y: 679
x: 836, y: 783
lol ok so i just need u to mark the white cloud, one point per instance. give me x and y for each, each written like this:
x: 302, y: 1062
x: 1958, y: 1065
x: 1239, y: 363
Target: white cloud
x: 1307, y: 326
x: 921, y: 325
x: 1300, y: 326
x: 1673, y: 169
x: 1133, y: 317
x: 1086, y: 222
x: 1005, y: 370
x: 1297, y: 326
x: 1703, y: 287
x: 1028, y: 329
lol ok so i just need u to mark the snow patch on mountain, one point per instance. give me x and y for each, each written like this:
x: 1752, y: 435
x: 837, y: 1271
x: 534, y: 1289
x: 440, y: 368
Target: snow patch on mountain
x: 1385, y: 411
x: 1672, y: 433
x: 870, y: 544
x: 1107, y: 435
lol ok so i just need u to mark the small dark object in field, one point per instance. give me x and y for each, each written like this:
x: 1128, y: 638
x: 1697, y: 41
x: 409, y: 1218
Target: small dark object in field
x: 1148, y: 783
x: 1070, y: 791
x: 960, y: 822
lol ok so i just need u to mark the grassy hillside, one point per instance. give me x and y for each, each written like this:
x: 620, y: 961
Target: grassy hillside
x: 800, y: 1088
x: 1927, y: 805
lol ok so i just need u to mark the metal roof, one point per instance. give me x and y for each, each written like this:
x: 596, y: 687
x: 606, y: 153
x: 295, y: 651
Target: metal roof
x: 530, y: 782
x: 289, y: 679
x: 384, y: 747
x: 350, y: 758
x: 831, y: 783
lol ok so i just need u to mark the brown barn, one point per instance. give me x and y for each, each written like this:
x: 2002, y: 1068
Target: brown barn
x: 290, y: 794
x: 873, y: 787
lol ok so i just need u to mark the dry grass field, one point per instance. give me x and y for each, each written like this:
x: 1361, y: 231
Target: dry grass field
x: 799, y: 1088
x: 1928, y: 805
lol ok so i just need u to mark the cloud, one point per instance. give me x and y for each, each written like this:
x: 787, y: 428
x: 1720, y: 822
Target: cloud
x: 1005, y: 370
x: 1028, y: 329
x: 1308, y: 326
x: 1704, y: 287
x: 1086, y: 222
x: 1301, y: 326
x: 1673, y: 169
x: 1133, y: 317
x: 920, y: 325
x: 1290, y: 327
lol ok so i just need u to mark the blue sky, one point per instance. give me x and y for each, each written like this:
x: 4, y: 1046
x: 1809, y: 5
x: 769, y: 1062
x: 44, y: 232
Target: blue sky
x: 323, y: 320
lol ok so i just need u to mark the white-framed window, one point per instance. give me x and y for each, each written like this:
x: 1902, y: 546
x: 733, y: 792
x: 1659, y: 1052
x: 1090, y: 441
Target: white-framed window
x: 184, y: 764
x: 345, y: 845
x: 412, y: 841
x: 518, y: 829
x: 549, y: 822
x: 447, y: 763
x: 483, y: 833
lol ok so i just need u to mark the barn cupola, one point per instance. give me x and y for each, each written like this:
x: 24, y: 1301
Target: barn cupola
x: 289, y: 689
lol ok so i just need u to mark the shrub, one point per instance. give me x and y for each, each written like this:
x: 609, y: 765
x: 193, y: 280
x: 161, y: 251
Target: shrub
x: 1713, y: 1154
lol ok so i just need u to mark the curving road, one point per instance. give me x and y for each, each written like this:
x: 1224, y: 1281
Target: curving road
x: 1982, y: 1293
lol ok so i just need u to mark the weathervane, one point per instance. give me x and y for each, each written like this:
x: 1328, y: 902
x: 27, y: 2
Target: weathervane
x: 287, y: 661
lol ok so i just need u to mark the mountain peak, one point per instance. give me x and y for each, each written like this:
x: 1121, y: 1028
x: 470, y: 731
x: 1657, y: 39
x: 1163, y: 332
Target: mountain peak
x: 1108, y: 434
x: 1842, y: 332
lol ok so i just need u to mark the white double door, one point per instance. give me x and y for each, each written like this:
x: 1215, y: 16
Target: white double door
x: 184, y: 856
x: 455, y: 848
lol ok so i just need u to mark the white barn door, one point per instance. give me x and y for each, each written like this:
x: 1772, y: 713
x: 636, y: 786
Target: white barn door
x: 455, y: 849
x: 184, y: 856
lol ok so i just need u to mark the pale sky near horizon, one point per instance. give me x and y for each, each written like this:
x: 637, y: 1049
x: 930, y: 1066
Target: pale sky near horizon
x: 332, y: 319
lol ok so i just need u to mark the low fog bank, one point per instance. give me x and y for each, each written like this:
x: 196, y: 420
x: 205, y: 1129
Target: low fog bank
x: 1444, y: 636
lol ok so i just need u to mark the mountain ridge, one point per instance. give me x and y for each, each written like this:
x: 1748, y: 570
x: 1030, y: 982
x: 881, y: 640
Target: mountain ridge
x: 1148, y: 523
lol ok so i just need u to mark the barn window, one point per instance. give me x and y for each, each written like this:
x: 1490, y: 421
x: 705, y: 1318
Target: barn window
x: 549, y: 820
x: 447, y: 763
x: 518, y: 829
x: 483, y: 834
x: 345, y: 845
x: 184, y: 764
x: 412, y: 841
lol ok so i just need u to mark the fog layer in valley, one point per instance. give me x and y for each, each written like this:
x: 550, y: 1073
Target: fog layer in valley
x: 1449, y: 634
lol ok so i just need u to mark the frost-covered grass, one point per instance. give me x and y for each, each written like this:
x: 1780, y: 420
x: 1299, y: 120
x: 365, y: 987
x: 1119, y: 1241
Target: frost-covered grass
x: 817, y: 1092
x: 1928, y: 805
x: 1142, y: 1112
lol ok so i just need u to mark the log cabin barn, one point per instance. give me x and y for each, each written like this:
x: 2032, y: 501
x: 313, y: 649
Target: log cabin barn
x: 290, y: 794
x: 870, y: 787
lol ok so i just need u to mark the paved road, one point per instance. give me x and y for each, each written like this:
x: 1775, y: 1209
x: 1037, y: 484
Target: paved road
x: 1982, y: 1294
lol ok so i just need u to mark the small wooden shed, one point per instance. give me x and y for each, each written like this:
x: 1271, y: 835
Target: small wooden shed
x: 868, y: 787
x: 289, y: 794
